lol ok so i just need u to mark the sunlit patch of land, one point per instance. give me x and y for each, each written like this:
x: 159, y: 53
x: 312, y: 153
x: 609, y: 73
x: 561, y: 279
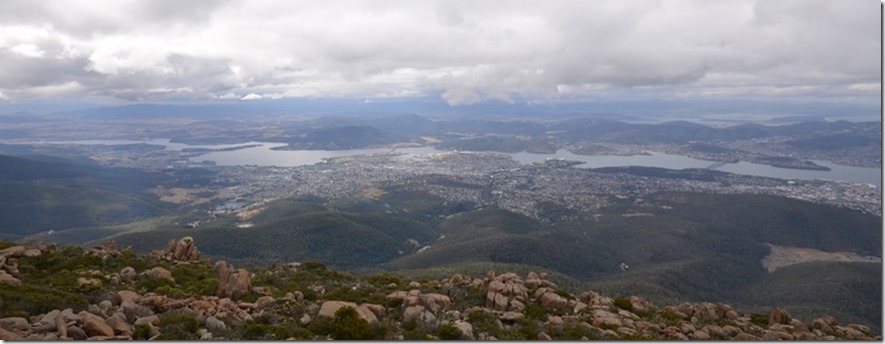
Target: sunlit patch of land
x: 373, y: 193
x: 782, y: 256
x: 431, y: 140
x: 250, y: 213
x: 182, y: 196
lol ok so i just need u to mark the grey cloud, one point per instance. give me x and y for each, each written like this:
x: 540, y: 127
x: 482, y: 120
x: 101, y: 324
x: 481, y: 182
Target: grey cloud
x: 465, y: 51
x: 83, y: 18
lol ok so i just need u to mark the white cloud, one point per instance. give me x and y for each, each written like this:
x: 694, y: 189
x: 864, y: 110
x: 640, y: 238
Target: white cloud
x: 252, y: 96
x: 463, y: 51
x: 29, y: 50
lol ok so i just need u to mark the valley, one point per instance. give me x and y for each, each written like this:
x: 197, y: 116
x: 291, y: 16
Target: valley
x: 669, y: 234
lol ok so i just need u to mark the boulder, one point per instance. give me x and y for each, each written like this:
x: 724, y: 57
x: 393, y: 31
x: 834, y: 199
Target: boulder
x: 863, y: 329
x: 31, y: 253
x: 700, y: 335
x: 517, y: 306
x: 264, y: 301
x: 8, y: 335
x: 159, y: 272
x: 125, y: 295
x: 466, y: 329
x: 366, y: 314
x: 214, y: 325
x: 8, y: 279
x: 779, y: 316
x: 436, y: 302
x: 532, y: 280
x: 76, y: 333
x: 378, y: 310
x: 49, y: 318
x: 128, y: 274
x: 853, y: 334
x: 95, y: 325
x: 328, y: 309
x: 118, y: 324
x: 15, y: 324
x: 418, y: 313
x: 12, y: 252
x: 105, y: 305
x: 496, y: 301
x: 150, y: 319
x: 511, y: 316
x: 233, y: 284
x: 552, y: 302
x: 184, y: 250
x: 157, y: 303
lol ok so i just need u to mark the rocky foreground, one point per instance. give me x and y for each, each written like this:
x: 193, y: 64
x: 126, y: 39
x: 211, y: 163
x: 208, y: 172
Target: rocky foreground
x: 112, y: 294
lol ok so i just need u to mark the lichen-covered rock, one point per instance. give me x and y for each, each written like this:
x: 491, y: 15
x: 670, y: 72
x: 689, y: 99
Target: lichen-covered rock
x: 159, y: 272
x: 233, y: 284
x: 552, y: 302
x: 329, y: 308
x: 95, y: 325
x: 184, y: 250
x: 15, y: 324
x: 128, y: 274
x: 215, y: 326
x: 9, y: 335
x: 8, y: 279
x: 436, y: 302
x: 13, y: 251
x: 779, y: 316
x: 118, y: 324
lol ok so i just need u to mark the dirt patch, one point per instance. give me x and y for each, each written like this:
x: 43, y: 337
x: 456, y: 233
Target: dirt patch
x: 638, y: 215
x: 183, y: 196
x: 431, y: 140
x: 373, y: 193
x: 782, y: 256
x: 250, y: 213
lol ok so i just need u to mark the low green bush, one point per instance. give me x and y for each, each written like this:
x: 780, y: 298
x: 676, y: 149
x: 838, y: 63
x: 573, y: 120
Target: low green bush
x: 177, y: 326
x: 450, y: 332
x: 349, y: 326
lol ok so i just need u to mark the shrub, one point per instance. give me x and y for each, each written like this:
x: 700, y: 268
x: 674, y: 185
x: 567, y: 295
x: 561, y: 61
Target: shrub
x: 142, y: 332
x: 565, y: 294
x: 6, y: 244
x: 196, y: 279
x: 759, y: 320
x: 484, y: 322
x: 29, y: 299
x: 534, y: 311
x: 349, y: 326
x: 383, y: 280
x: 669, y: 317
x: 450, y: 332
x: 153, y: 284
x: 624, y: 304
x: 258, y: 331
x: 176, y: 326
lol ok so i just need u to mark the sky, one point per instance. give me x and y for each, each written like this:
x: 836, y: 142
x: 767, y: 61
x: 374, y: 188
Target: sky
x: 460, y: 52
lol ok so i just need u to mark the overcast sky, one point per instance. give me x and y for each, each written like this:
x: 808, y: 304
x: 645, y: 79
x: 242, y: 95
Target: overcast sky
x: 463, y: 52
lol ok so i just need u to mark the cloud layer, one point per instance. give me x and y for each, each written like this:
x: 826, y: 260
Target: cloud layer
x: 463, y: 51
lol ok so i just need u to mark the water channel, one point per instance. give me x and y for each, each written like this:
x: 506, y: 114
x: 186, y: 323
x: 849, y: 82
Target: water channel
x: 262, y: 155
